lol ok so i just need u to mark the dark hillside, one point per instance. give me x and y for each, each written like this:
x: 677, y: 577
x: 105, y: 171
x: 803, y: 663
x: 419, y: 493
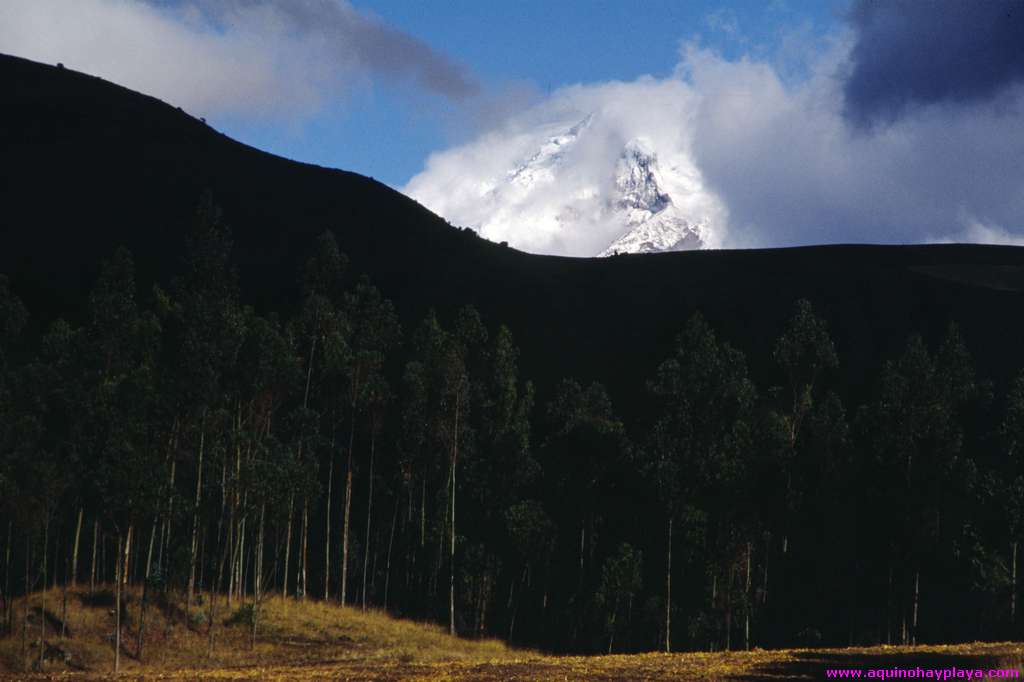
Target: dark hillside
x: 88, y: 165
x: 319, y: 436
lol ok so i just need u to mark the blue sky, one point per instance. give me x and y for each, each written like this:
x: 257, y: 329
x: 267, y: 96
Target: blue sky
x: 799, y: 122
x: 388, y: 130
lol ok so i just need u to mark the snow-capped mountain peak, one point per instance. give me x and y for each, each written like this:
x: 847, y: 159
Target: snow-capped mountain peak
x: 540, y: 166
x: 652, y: 222
x: 582, y: 186
x: 636, y: 181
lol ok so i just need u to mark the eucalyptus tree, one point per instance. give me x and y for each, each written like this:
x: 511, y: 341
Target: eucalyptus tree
x: 696, y: 448
x: 532, y: 536
x: 415, y: 441
x: 621, y: 579
x: 914, y: 429
x: 584, y: 440
x: 40, y: 452
x: 373, y: 333
x: 203, y: 331
x: 805, y: 353
x: 266, y: 373
x: 437, y: 425
x: 500, y: 478
x: 1011, y: 431
x: 379, y: 397
x: 266, y: 376
x: 896, y: 425
x: 320, y: 336
x: 833, y: 503
x: 36, y: 443
x: 120, y: 350
x: 13, y: 317
x: 461, y: 371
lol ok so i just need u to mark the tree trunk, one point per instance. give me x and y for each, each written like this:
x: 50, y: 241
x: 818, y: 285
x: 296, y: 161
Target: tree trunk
x: 257, y: 584
x: 888, y: 607
x: 74, y: 552
x: 142, y: 607
x: 728, y: 611
x: 212, y: 619
x: 327, y: 533
x: 512, y: 604
x: 194, y: 547
x: 149, y: 552
x: 117, y: 607
x: 288, y: 544
x: 95, y: 547
x: 917, y: 601
x: 165, y: 538
x: 8, y: 601
x: 423, y: 511
x: 348, y: 509
x: 28, y: 590
x: 668, y: 590
x: 127, y: 554
x: 243, y: 563
x: 764, y: 584
x: 611, y: 635
x: 746, y: 611
x: 53, y: 576
x: 234, y: 546
x: 369, y: 511
x: 202, y: 559
x: 243, y: 566
x: 305, y: 555
x: 1013, y: 583
x: 451, y: 556
x: 904, y: 639
x: 42, y: 593
x: 64, y: 604
x: 230, y: 545
x: 583, y: 531
x: 391, y: 541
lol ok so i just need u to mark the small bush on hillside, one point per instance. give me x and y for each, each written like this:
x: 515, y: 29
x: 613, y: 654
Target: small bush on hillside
x: 242, y: 616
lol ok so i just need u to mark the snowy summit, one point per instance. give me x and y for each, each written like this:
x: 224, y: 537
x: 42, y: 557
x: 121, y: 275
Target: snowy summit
x: 581, y: 178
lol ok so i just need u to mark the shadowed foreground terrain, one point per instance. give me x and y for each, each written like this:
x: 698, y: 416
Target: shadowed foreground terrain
x: 317, y: 641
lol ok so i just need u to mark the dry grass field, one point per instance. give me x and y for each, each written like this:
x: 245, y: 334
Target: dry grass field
x: 315, y: 641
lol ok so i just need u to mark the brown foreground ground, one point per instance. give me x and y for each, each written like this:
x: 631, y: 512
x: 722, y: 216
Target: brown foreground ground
x: 315, y: 641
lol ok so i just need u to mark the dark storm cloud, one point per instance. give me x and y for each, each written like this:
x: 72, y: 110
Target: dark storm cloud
x: 352, y: 37
x: 909, y: 53
x: 257, y: 59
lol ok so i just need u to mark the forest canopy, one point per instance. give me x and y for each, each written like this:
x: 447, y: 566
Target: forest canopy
x: 180, y: 440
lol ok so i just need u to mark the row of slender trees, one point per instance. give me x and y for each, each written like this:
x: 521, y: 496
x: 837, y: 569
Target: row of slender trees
x: 180, y: 441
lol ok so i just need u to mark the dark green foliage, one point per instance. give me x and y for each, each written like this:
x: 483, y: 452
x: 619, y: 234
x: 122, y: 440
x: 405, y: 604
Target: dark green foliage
x: 209, y: 416
x: 539, y: 543
x: 620, y: 582
x: 804, y: 352
x: 702, y: 431
x: 530, y: 530
x: 120, y: 346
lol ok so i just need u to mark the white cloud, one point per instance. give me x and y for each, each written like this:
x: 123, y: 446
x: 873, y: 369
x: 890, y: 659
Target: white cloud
x: 266, y: 58
x: 778, y: 154
x: 974, y: 231
x: 458, y: 183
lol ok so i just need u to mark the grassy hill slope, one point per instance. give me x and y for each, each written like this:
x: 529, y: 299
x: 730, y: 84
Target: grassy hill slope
x: 314, y: 640
x: 291, y: 634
